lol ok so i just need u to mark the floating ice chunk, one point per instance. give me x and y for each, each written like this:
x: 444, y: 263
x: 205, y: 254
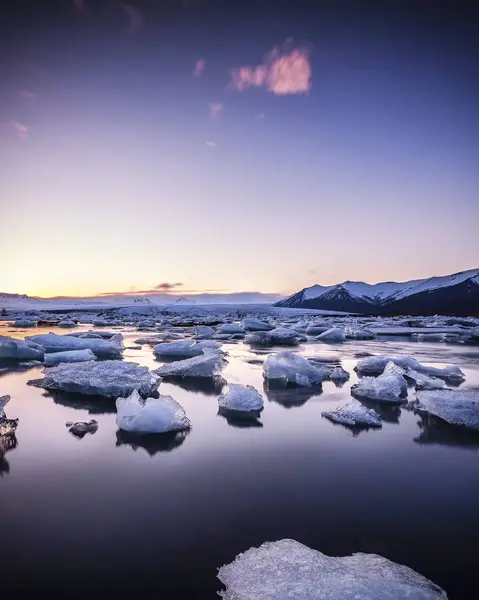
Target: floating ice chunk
x: 300, y: 326
x: 110, y: 378
x: 24, y: 323
x: 183, y: 348
x: 208, y: 365
x: 425, y: 382
x: 290, y: 368
x: 20, y: 350
x: 241, y: 398
x: 354, y: 333
x: 431, y: 337
x: 354, y: 414
x: 7, y: 426
x: 52, y: 342
x: 204, y: 332
x: 457, y: 407
x: 251, y: 324
x: 230, y: 328
x: 386, y: 388
x: 118, y: 340
x: 288, y: 570
x: 81, y: 428
x: 153, y: 415
x: 67, y: 323
x: 55, y: 358
x: 339, y: 374
x: 371, y: 365
x: 332, y: 336
x: 450, y: 373
x: 281, y: 336
x: 375, y: 365
x: 317, y: 330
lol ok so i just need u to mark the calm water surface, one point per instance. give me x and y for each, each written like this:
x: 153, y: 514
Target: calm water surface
x: 105, y: 516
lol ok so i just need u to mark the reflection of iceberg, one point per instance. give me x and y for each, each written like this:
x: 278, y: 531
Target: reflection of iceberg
x: 7, y: 443
x: 153, y: 443
x: 436, y: 431
x: 241, y: 419
x: 290, y: 397
x: 95, y: 405
x: 12, y: 366
x: 200, y: 385
x: 388, y: 412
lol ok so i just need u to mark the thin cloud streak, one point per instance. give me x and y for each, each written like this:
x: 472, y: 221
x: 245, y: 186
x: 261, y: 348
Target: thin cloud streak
x: 280, y: 73
x: 20, y: 129
x: 210, y: 144
x: 200, y: 66
x: 134, y: 16
x: 167, y: 286
x: 216, y: 109
x: 155, y: 292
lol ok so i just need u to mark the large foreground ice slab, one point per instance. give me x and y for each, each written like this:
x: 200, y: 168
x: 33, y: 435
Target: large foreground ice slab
x: 288, y: 570
x: 457, y: 407
x: 290, y: 368
x: 110, y: 378
x: 51, y: 342
x: 55, y: 358
x: 150, y: 415
x: 354, y: 414
x: 206, y: 365
x: 19, y: 350
x: 242, y: 398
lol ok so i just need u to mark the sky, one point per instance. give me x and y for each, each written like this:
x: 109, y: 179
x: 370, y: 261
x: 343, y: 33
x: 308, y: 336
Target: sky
x: 229, y: 146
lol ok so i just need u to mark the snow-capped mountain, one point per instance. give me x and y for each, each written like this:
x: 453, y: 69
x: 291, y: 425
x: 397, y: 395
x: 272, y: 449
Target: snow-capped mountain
x: 456, y: 294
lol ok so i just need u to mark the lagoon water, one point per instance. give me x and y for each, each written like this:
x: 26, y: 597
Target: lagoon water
x: 111, y: 515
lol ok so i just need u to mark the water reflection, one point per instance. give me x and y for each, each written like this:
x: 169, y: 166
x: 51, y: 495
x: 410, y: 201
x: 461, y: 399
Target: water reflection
x: 437, y: 431
x: 200, y: 385
x: 95, y: 405
x: 241, y: 419
x: 290, y: 397
x: 152, y: 443
x: 7, y: 443
x: 12, y: 366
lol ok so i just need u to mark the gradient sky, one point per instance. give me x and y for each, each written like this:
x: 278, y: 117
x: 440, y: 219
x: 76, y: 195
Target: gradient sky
x: 135, y: 150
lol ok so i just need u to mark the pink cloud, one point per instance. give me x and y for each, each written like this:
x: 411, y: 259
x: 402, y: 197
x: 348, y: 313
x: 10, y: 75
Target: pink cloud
x: 281, y: 73
x: 210, y: 144
x: 216, y: 109
x: 20, y: 129
x: 200, y: 66
x: 134, y: 16
x: 80, y: 5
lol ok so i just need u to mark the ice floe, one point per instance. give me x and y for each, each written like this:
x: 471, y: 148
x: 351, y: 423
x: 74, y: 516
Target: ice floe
x: 51, y: 342
x: 288, y: 368
x: 109, y: 378
x: 334, y: 335
x: 241, y: 398
x: 70, y: 356
x: 385, y: 388
x: 230, y: 328
x: 354, y: 414
x: 24, y: 323
x: 288, y: 570
x: 184, y: 348
x: 457, y: 407
x: 150, y: 415
x: 280, y: 336
x: 339, y: 374
x: 20, y: 350
x: 207, y: 365
x: 375, y: 365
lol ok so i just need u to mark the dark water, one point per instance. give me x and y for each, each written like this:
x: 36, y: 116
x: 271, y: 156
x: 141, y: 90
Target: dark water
x: 104, y: 516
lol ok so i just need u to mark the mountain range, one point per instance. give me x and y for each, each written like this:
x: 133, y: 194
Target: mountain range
x: 456, y: 294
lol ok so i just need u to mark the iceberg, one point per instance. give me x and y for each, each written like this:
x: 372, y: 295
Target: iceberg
x: 288, y: 570
x: 354, y: 414
x: 72, y: 356
x: 230, y: 328
x: 281, y: 336
x: 315, y: 330
x: 241, y: 398
x: 457, y: 407
x: 204, y: 332
x: 332, y: 336
x: 386, y: 388
x: 251, y: 324
x: 208, y: 365
x: 184, y: 348
x: 339, y: 374
x: 150, y: 415
x: 109, y: 378
x: 375, y: 365
x: 67, y: 323
x: 354, y: 333
x: 425, y: 382
x: 51, y: 342
x: 20, y: 350
x: 24, y: 323
x: 290, y: 368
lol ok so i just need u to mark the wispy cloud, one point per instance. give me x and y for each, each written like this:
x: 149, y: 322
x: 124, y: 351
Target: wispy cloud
x: 26, y: 95
x: 200, y: 66
x: 281, y: 72
x: 216, y: 109
x: 210, y: 144
x: 20, y: 129
x: 166, y: 287
x: 163, y: 292
x: 80, y: 5
x: 135, y: 18
x: 260, y: 116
